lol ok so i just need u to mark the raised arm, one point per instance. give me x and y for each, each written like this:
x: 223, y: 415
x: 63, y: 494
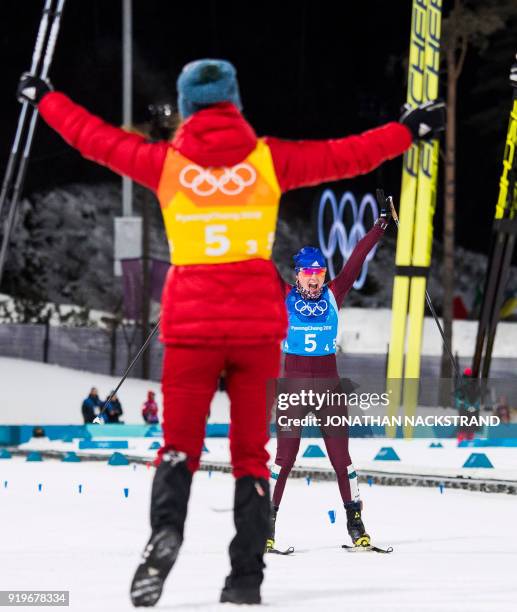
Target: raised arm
x: 305, y: 162
x: 310, y: 162
x: 123, y: 152
x: 343, y: 282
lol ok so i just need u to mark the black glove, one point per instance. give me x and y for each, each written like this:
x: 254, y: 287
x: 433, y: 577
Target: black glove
x: 31, y: 89
x: 385, y: 210
x: 513, y: 76
x: 426, y: 120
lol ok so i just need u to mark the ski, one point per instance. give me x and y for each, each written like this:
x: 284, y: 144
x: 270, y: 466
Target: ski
x: 499, y: 298
x: 275, y: 551
x: 401, y: 282
x: 370, y: 548
x: 501, y: 252
x: 489, y: 291
x: 424, y: 212
x: 417, y: 206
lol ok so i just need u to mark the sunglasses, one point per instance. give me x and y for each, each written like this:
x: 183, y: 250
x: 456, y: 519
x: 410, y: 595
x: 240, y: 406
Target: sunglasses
x: 313, y: 271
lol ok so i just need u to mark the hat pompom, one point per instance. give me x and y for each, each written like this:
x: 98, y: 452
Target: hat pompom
x: 206, y: 82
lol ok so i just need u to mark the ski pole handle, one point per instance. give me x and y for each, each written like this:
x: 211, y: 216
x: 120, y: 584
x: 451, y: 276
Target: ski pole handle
x: 382, y: 201
x: 393, y: 211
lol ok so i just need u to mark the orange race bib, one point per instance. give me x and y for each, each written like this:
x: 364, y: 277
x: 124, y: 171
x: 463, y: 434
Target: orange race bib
x: 219, y: 215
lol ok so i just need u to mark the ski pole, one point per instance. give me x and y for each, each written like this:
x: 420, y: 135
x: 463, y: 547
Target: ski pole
x: 98, y: 419
x: 36, y: 56
x: 389, y: 199
x: 22, y: 168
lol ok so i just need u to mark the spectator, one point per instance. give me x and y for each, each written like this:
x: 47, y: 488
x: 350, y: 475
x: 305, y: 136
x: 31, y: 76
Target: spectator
x: 113, y: 410
x: 150, y: 409
x: 502, y: 410
x: 90, y: 406
x: 467, y: 400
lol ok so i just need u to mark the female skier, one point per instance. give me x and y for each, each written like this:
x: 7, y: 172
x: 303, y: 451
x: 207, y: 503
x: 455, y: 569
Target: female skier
x: 219, y: 187
x: 310, y: 364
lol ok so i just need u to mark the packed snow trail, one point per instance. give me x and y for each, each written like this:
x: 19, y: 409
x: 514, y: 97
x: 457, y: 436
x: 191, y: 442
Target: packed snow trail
x: 453, y: 551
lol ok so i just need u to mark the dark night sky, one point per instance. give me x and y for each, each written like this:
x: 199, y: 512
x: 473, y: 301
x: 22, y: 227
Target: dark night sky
x: 306, y: 70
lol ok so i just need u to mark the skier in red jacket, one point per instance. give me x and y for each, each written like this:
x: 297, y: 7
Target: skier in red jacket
x: 219, y: 187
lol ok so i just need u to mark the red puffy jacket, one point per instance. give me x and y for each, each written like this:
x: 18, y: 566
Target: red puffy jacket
x: 241, y: 302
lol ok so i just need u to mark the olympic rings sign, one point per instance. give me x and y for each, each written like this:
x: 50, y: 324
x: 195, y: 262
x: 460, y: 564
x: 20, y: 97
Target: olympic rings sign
x: 339, y: 237
x: 310, y: 310
x: 231, y: 182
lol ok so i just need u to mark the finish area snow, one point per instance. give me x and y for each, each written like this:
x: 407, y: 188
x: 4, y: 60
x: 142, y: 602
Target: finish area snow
x: 455, y: 551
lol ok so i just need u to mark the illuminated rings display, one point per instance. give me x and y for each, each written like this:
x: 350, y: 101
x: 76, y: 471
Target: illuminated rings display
x: 338, y: 236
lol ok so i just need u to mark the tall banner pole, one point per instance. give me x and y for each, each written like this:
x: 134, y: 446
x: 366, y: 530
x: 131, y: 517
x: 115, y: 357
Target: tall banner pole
x: 127, y: 95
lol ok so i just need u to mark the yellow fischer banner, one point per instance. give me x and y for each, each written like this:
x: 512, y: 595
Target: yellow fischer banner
x: 417, y: 206
x: 503, y: 201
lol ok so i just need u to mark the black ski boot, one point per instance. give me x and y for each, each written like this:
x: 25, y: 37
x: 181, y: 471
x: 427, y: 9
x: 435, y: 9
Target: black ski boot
x: 270, y: 542
x: 251, y: 516
x: 354, y: 524
x: 169, y: 500
x: 158, y: 558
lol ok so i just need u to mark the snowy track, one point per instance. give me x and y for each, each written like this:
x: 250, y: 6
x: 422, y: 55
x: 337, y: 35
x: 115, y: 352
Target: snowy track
x: 419, y: 463
x: 384, y: 477
x: 453, y: 551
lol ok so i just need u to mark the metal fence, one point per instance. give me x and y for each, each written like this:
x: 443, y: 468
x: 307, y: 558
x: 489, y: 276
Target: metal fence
x: 80, y: 348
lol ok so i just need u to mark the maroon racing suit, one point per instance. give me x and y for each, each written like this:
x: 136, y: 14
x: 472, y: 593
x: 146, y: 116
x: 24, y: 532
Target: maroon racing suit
x: 322, y: 372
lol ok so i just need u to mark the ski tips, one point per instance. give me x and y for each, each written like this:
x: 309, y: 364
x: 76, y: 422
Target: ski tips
x: 365, y: 549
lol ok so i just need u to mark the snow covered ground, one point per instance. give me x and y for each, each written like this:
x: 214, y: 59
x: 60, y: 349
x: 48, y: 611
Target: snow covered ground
x: 416, y: 455
x: 39, y: 393
x: 367, y: 330
x: 35, y: 393
x: 455, y: 551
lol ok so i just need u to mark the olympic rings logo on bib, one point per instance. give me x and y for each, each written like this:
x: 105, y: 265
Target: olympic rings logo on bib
x: 232, y: 181
x: 310, y: 310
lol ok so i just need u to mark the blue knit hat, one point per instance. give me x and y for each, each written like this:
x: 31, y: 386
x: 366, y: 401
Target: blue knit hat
x: 309, y: 257
x: 206, y: 82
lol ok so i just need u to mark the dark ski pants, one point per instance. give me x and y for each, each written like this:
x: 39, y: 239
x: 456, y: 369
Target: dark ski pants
x: 337, y: 451
x: 334, y: 437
